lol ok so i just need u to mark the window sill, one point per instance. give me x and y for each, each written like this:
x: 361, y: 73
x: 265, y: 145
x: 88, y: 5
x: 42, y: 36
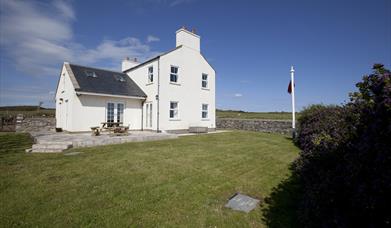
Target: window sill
x: 149, y: 83
x: 205, y: 88
x: 175, y: 83
x: 205, y: 119
x: 174, y: 119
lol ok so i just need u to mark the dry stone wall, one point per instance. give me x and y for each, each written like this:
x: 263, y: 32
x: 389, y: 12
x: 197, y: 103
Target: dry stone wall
x: 276, y: 126
x: 35, y: 124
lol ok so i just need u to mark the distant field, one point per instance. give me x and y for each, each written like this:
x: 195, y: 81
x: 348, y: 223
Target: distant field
x: 27, y: 111
x: 254, y: 115
x: 32, y: 111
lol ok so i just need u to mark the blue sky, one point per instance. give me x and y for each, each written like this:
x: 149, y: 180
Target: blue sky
x: 251, y: 44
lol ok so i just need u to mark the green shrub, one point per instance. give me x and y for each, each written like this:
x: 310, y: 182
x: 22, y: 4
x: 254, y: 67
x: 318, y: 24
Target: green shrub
x: 345, y: 164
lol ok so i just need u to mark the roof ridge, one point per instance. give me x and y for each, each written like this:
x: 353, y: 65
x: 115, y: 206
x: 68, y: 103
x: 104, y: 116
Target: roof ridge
x: 152, y: 59
x: 118, y: 72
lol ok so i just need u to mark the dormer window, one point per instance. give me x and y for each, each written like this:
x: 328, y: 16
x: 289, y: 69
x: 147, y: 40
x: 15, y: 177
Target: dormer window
x: 90, y: 74
x: 119, y: 78
x: 174, y: 74
x: 150, y: 74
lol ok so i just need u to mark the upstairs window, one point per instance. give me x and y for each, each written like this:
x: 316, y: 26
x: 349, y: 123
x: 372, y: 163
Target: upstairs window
x: 173, y: 110
x: 174, y: 74
x: 204, y: 82
x: 204, y: 111
x: 90, y: 74
x: 150, y: 74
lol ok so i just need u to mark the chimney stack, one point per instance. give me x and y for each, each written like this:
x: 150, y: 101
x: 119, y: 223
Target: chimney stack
x: 188, y: 39
x: 128, y: 63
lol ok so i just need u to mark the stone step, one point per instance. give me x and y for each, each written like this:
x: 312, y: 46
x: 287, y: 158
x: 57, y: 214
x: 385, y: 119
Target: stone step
x: 50, y: 147
x: 44, y: 141
x: 40, y: 150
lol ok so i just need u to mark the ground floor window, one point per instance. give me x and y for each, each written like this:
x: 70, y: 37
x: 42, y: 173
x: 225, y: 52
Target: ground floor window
x: 110, y: 113
x: 120, y: 112
x: 204, y: 111
x: 148, y: 115
x: 115, y: 112
x: 173, y: 110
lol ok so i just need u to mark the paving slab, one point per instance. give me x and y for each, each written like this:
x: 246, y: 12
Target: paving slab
x: 58, y: 140
x: 240, y: 202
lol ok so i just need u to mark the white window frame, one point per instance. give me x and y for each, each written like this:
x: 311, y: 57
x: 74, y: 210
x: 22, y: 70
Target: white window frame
x: 121, y: 118
x: 115, y: 111
x: 148, y: 115
x: 204, y: 80
x: 150, y: 75
x: 176, y: 74
x: 107, y: 112
x: 206, y: 111
x: 175, y: 111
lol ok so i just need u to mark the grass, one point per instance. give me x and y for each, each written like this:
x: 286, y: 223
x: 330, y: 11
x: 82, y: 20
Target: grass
x: 172, y: 183
x: 26, y: 110
x: 255, y: 115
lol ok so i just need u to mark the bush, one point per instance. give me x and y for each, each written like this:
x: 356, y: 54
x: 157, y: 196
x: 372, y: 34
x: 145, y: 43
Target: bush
x: 320, y: 127
x: 345, y: 164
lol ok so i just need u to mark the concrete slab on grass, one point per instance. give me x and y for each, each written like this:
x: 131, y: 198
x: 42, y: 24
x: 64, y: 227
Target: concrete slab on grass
x: 240, y: 202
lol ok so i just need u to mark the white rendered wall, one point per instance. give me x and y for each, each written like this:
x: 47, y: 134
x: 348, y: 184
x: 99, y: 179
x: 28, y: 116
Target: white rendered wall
x: 66, y: 92
x: 188, y: 92
x: 82, y: 112
x: 140, y: 77
x: 91, y: 111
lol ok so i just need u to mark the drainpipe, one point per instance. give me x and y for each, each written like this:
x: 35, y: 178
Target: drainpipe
x: 158, y: 95
x: 142, y: 114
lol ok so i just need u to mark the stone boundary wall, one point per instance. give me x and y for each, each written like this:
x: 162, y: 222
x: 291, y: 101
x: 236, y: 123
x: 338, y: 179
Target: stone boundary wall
x: 275, y: 126
x: 34, y: 124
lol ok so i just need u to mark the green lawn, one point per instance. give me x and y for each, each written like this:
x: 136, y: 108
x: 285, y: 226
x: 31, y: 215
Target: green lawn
x: 255, y: 115
x: 172, y: 183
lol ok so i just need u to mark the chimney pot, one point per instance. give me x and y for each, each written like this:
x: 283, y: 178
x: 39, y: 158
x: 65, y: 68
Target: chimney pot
x: 193, y: 30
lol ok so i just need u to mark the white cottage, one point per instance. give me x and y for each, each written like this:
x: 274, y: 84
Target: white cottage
x: 170, y: 92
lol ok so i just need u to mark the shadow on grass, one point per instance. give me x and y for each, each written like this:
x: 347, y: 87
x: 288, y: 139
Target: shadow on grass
x: 280, y: 207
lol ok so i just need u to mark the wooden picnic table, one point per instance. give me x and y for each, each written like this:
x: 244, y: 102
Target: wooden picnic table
x: 115, y: 127
x: 106, y: 125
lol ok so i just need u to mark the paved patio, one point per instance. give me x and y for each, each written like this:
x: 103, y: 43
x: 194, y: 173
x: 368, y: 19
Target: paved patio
x: 57, y: 142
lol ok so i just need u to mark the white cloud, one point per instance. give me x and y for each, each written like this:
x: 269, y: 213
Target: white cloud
x: 151, y: 38
x: 37, y: 37
x: 65, y: 9
x: 238, y: 95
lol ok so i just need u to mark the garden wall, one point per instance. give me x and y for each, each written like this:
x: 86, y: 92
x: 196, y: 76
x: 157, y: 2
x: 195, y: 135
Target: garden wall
x: 276, y: 126
x: 35, y: 124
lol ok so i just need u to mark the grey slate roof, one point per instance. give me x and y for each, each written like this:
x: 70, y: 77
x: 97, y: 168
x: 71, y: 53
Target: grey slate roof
x: 105, y: 82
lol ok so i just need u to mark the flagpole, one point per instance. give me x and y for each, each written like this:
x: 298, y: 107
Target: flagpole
x: 293, y: 101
